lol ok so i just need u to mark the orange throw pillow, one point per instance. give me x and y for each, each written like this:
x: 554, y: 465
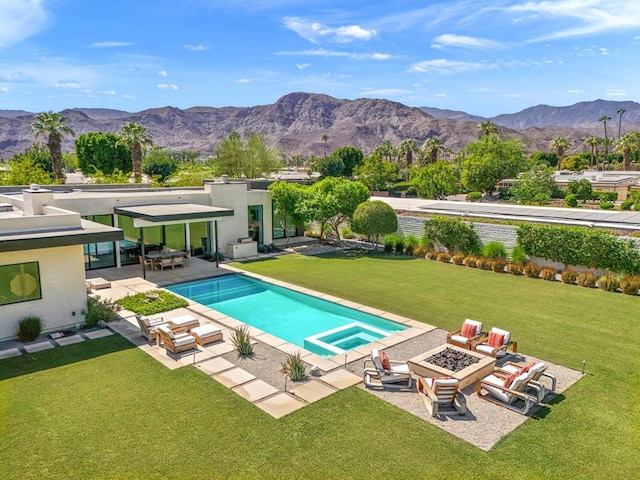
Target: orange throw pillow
x: 468, y: 330
x: 510, y: 379
x: 527, y: 367
x: 495, y: 340
x: 386, y: 364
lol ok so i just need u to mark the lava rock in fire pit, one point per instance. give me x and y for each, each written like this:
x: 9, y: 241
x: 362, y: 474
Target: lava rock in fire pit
x: 451, y: 359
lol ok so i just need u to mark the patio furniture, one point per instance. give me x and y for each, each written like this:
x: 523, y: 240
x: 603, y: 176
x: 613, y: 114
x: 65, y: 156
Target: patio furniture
x: 441, y: 396
x: 100, y: 283
x: 379, y: 371
x: 538, y: 371
x: 176, y: 342
x: 507, y: 390
x: 149, y: 326
x: 205, y: 334
x: 183, y: 323
x: 147, y: 262
x: 465, y: 335
x: 495, y: 343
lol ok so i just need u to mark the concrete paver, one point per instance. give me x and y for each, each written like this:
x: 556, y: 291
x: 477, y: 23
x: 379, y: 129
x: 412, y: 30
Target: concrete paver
x: 280, y: 405
x: 10, y: 352
x: 69, y: 340
x: 341, y: 379
x: 103, y: 332
x: 215, y: 365
x: 254, y: 391
x: 312, y: 391
x: 234, y: 377
x: 38, y: 347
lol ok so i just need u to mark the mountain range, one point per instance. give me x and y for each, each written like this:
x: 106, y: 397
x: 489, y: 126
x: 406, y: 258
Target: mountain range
x: 298, y: 122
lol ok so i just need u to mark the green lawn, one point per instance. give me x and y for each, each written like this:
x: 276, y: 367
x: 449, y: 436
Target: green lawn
x: 102, y: 409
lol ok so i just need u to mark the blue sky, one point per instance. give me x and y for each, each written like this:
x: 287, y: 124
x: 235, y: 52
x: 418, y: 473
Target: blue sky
x: 484, y: 57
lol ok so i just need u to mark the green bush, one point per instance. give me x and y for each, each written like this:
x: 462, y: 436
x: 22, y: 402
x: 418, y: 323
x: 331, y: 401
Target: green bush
x: 471, y: 261
x: 571, y: 200
x: 141, y: 304
x: 532, y: 270
x: 458, y: 258
x: 453, y: 234
x: 515, y: 268
x: 548, y: 273
x: 518, y: 255
x: 626, y: 205
x: 604, y: 196
x: 636, y: 207
x: 587, y: 279
x: 498, y: 264
x: 609, y: 283
x: 100, y: 310
x: 347, y: 233
x: 444, y: 257
x: 388, y: 243
x: 569, y: 276
x: 294, y: 367
x: 494, y: 250
x: 241, y: 340
x: 410, y: 243
x: 29, y: 328
x: 604, y: 205
x: 473, y: 196
x: 630, y: 284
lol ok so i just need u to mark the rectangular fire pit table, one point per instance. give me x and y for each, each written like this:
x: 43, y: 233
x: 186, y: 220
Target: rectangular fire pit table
x: 466, y: 376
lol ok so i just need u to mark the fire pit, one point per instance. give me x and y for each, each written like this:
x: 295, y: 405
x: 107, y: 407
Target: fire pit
x: 452, y: 361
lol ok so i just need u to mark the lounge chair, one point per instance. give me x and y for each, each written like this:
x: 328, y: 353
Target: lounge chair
x: 495, y: 343
x: 441, y: 396
x: 464, y: 337
x: 379, y: 371
x: 149, y: 326
x: 207, y: 333
x: 183, y: 323
x: 508, y: 390
x: 539, y: 370
x: 176, y: 342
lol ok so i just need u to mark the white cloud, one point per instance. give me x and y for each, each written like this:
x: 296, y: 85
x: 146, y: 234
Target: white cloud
x: 128, y: 97
x: 380, y: 56
x: 196, y: 48
x: 443, y: 66
x: 575, y: 90
x: 4, y: 90
x: 442, y: 95
x: 66, y: 84
x: 314, y: 31
x: 17, y: 77
x: 109, y: 92
x: 20, y: 19
x: 163, y: 73
x: 451, y: 40
x: 323, y: 52
x: 110, y: 44
x: 302, y: 66
x: 614, y: 93
x: 243, y: 80
x: 167, y: 86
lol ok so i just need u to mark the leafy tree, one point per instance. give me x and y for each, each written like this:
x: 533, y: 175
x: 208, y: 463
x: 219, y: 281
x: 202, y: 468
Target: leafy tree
x: 374, y: 218
x: 330, y: 166
x: 248, y: 158
x: 190, y: 174
x: 54, y: 126
x: 101, y: 151
x: 351, y: 158
x: 490, y: 160
x: 582, y: 189
x: 453, y: 234
x: 560, y: 144
x: 576, y: 162
x: 183, y: 156
x: 548, y: 159
x: 376, y: 173
x: 135, y: 137
x: 626, y: 145
x: 289, y: 202
x: 333, y: 201
x: 535, y: 186
x: 436, y: 180
x: 37, y: 154
x: 23, y: 170
x: 159, y: 163
x: 117, y: 177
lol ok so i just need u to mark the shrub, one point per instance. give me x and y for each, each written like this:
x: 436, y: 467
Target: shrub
x: 515, y: 268
x: 470, y: 261
x: 587, y: 279
x: 518, y: 255
x: 630, y: 284
x: 100, y: 310
x: 571, y: 200
x: 241, y: 340
x: 458, y: 258
x: 432, y: 255
x: 608, y: 283
x: 427, y: 243
x: 532, y: 270
x: 473, y: 196
x: 347, y: 233
x: 443, y: 257
x: 294, y: 367
x: 419, y: 251
x: 29, y: 328
x: 142, y: 305
x: 483, y: 263
x: 410, y: 243
x: 605, y: 196
x: 548, y: 273
x: 311, y: 233
x: 569, y: 276
x: 388, y: 243
x: 498, y: 264
x: 453, y: 234
x: 636, y: 207
x: 626, y: 205
x: 494, y: 250
x: 604, y: 205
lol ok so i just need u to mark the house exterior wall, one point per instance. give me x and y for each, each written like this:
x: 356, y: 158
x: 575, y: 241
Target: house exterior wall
x: 62, y: 282
x: 263, y: 197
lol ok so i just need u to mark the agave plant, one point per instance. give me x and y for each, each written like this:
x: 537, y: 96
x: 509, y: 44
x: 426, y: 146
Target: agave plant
x: 241, y: 340
x: 294, y: 367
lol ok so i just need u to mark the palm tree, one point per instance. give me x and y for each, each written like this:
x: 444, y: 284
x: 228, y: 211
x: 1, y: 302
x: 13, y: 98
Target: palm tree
x: 55, y: 126
x: 431, y: 147
x: 626, y: 145
x: 135, y: 137
x: 487, y: 128
x: 607, y: 143
x: 620, y: 112
x: 561, y: 144
x: 407, y: 148
x: 592, y: 143
x: 604, y: 119
x: 325, y: 137
x: 385, y: 150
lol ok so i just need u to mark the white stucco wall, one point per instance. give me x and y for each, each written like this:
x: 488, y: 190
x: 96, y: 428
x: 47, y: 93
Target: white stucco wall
x: 62, y: 280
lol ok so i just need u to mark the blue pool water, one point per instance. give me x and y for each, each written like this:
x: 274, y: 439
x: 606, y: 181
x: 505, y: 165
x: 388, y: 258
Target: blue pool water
x: 317, y: 325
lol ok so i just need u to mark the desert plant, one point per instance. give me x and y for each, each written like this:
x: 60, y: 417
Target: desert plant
x: 569, y: 276
x: 443, y: 257
x: 494, y: 250
x: 99, y: 309
x: 483, y: 263
x: 29, y: 328
x: 431, y: 255
x: 571, y: 200
x: 587, y: 279
x: 627, y: 204
x: 609, y: 283
x: 604, y: 205
x: 532, y: 270
x: 548, y: 273
x: 419, y: 251
x: 458, y: 258
x: 410, y: 243
x: 629, y: 284
x: 498, y: 264
x: 518, y: 255
x: 294, y: 367
x: 515, y: 268
x: 241, y: 340
x: 471, y: 261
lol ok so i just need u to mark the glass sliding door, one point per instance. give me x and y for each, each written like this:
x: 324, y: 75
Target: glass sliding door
x: 256, y: 222
x: 99, y: 255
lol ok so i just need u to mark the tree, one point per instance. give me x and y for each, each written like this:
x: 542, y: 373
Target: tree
x: 548, y: 159
x: 351, y: 158
x: 135, y: 137
x: 334, y: 200
x: 24, y: 170
x: 535, y: 186
x: 248, y: 158
x: 486, y: 129
x: 289, y: 202
x: 582, y: 189
x: 325, y: 137
x: 376, y: 173
x: 374, y: 218
x: 626, y: 145
x: 453, y: 234
x: 561, y: 144
x: 592, y: 143
x: 431, y: 147
x: 436, y: 180
x: 101, y: 151
x: 330, y: 166
x: 385, y: 150
x: 159, y: 163
x: 406, y: 149
x: 54, y: 126
x: 620, y: 112
x: 604, y: 119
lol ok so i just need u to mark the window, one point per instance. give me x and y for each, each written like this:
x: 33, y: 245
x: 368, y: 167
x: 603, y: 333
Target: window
x: 19, y: 282
x: 99, y: 255
x: 255, y: 223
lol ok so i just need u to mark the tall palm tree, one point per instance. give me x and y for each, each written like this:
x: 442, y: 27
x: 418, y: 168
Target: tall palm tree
x: 385, y: 150
x: 55, y: 126
x: 325, y: 137
x: 620, y: 112
x: 431, y: 147
x: 561, y: 144
x: 407, y: 148
x: 592, y: 143
x: 487, y: 128
x: 136, y: 138
x: 626, y: 145
x: 604, y: 119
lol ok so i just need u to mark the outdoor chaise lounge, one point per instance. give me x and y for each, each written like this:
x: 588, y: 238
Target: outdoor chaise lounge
x: 183, y: 323
x: 441, y: 396
x: 176, y: 342
x: 495, y: 343
x: 379, y: 371
x: 465, y: 335
x: 538, y: 370
x: 149, y: 326
x: 508, y: 390
x: 205, y: 334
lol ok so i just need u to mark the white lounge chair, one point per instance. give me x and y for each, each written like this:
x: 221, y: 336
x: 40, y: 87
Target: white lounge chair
x: 495, y: 343
x: 379, y: 373
x: 465, y: 335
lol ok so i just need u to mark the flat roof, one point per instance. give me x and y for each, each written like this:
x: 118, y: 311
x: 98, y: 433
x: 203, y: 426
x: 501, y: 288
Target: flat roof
x: 171, y: 212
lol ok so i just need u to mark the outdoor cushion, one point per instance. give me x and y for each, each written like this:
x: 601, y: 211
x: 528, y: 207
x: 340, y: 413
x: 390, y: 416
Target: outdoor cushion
x: 183, y: 340
x: 487, y: 349
x: 509, y: 380
x: 499, y: 331
x: 205, y: 330
x: 468, y: 330
x: 459, y: 339
x: 385, y: 361
x: 167, y: 330
x: 495, y: 339
x: 476, y: 323
x: 443, y: 381
x: 183, y: 320
x: 528, y: 367
x: 403, y: 368
x: 375, y: 355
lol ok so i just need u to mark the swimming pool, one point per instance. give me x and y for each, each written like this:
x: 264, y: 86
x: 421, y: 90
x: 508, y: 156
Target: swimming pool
x: 317, y: 325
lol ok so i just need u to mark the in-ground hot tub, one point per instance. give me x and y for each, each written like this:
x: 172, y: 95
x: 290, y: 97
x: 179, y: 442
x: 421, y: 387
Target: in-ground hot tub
x: 350, y: 336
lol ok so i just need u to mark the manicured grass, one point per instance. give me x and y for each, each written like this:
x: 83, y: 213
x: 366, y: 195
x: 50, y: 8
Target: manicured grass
x: 102, y: 409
